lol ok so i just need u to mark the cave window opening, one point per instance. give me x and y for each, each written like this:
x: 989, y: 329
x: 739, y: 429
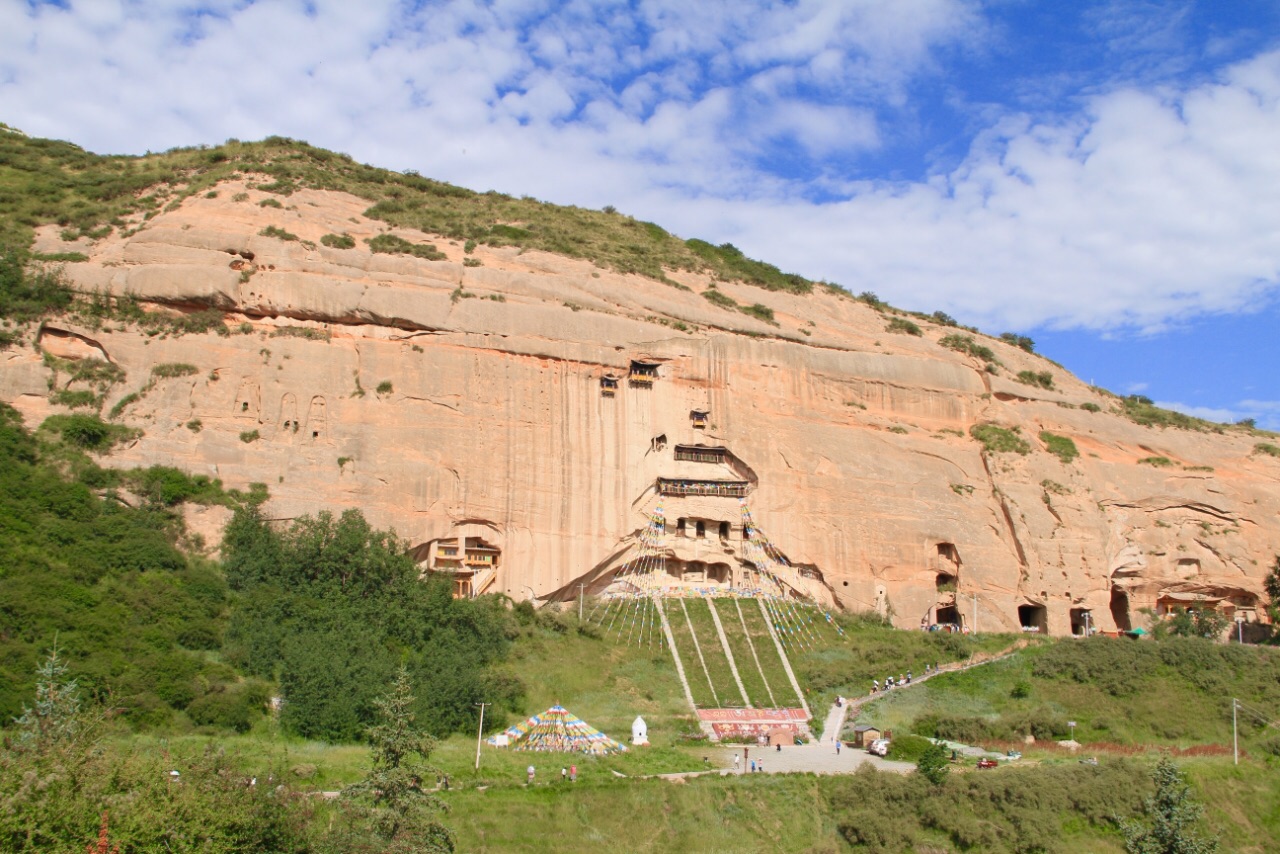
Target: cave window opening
x: 949, y: 553
x: 724, y: 531
x: 244, y: 406
x: 1033, y: 618
x: 701, y: 530
x: 315, y: 434
x: 946, y: 582
x: 680, y: 528
x: 659, y: 443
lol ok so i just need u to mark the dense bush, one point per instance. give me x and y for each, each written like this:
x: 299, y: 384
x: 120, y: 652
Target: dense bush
x: 1020, y: 341
x: 331, y: 607
x: 1015, y: 810
x: 1000, y: 440
x: 902, y: 325
x: 1040, y: 379
x: 339, y: 241
x: 1060, y: 446
x: 103, y: 579
x: 966, y: 344
x: 393, y: 245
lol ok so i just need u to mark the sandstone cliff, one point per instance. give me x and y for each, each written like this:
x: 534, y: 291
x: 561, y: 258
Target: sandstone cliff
x: 493, y: 407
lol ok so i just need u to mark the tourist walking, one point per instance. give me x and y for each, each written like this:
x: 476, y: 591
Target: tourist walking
x: 837, y: 747
x: 753, y: 766
x: 530, y: 772
x: 573, y: 773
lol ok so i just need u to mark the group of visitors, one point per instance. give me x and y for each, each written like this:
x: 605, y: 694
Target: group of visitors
x: 569, y: 774
x: 741, y: 761
x: 890, y: 682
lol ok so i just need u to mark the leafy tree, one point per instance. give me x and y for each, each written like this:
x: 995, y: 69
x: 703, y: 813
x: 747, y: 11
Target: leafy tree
x: 330, y: 607
x: 400, y: 810
x: 934, y: 764
x: 1171, y: 818
x: 1197, y: 623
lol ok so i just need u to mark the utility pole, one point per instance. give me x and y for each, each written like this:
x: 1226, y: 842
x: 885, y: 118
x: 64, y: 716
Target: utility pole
x: 580, y: 589
x: 480, y: 734
x: 975, y: 613
x: 1235, y: 733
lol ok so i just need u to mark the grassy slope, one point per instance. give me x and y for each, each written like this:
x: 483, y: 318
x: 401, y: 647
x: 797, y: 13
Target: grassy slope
x: 753, y: 679
x: 713, y: 653
x: 1178, y: 705
x: 47, y: 181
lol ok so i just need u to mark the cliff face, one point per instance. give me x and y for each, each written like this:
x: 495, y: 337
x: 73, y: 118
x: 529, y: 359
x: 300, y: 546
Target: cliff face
x: 489, y: 414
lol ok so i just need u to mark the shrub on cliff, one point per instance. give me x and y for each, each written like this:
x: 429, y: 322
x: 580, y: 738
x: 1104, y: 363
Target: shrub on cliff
x: 1000, y: 440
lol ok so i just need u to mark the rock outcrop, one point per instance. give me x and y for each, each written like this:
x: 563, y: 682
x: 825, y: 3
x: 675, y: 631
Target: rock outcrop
x: 522, y: 417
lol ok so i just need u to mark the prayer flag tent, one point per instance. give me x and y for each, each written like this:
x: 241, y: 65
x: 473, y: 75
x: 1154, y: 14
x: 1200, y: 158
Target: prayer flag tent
x: 560, y: 731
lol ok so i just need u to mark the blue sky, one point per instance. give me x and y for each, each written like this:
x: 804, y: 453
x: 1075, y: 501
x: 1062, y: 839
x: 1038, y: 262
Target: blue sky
x: 1102, y: 176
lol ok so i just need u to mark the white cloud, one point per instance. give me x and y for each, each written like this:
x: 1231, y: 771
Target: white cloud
x: 1146, y: 205
x: 1265, y: 412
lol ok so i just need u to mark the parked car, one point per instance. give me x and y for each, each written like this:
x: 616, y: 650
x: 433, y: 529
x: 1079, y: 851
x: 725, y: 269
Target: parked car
x: 879, y: 747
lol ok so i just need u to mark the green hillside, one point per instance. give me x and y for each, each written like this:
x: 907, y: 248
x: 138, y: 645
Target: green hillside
x: 46, y: 181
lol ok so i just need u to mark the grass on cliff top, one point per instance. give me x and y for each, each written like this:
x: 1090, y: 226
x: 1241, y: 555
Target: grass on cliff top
x: 48, y: 181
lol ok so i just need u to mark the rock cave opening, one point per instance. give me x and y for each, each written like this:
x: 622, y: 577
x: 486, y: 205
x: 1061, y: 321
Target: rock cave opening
x: 1034, y: 618
x: 947, y: 615
x: 1082, y: 622
x: 1120, y: 609
x: 946, y: 583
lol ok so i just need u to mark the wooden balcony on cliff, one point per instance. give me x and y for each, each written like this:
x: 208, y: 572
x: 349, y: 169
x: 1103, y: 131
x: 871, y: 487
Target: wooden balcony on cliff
x: 698, y: 418
x: 714, y: 488
x: 642, y: 373
x: 608, y: 385
x: 702, y: 454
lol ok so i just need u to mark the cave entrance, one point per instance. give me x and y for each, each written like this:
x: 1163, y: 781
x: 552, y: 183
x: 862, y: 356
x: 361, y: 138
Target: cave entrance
x: 946, y: 582
x: 1120, y: 609
x: 1082, y: 622
x: 1034, y: 618
x: 948, y: 616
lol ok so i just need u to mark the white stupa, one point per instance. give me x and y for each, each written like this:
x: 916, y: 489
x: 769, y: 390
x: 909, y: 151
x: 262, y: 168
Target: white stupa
x: 639, y: 731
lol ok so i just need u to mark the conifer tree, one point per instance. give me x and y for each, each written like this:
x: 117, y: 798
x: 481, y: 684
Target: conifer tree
x: 1171, y: 818
x: 401, y: 809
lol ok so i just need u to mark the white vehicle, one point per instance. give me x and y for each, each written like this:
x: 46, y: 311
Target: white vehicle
x: 879, y: 747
